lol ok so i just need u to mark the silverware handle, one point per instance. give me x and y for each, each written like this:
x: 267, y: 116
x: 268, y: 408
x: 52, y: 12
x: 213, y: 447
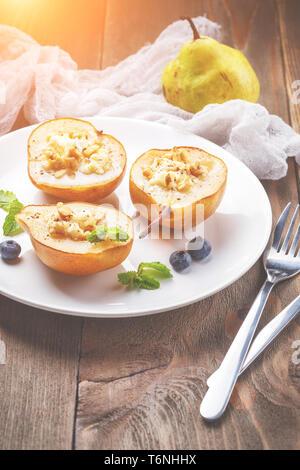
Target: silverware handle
x: 218, y: 395
x: 266, y: 335
x: 271, y: 330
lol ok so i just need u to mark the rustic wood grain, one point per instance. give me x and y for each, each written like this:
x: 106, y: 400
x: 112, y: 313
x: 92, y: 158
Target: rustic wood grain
x: 38, y: 381
x: 141, y: 380
x: 289, y: 14
x: 38, y: 384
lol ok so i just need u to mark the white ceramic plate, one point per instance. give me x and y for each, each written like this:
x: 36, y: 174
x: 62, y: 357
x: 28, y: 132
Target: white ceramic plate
x: 238, y: 232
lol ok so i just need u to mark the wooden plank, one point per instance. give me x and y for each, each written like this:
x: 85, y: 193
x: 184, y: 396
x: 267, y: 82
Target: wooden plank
x: 38, y: 384
x: 38, y: 381
x: 141, y: 380
x: 289, y: 14
x: 132, y: 24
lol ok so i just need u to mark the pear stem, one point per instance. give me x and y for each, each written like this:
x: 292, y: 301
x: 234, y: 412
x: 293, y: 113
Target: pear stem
x: 193, y: 26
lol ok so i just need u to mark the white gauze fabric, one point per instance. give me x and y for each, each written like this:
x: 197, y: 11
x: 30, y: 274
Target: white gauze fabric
x: 46, y: 82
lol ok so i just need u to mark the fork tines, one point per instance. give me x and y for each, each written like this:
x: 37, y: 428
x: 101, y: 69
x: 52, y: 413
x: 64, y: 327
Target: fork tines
x: 278, y: 234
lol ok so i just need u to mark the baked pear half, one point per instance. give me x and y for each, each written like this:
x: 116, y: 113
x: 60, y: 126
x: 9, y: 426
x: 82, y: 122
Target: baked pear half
x: 78, y: 238
x: 72, y: 160
x: 187, y: 180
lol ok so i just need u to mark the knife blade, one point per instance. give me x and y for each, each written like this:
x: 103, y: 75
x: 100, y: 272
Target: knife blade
x: 266, y: 335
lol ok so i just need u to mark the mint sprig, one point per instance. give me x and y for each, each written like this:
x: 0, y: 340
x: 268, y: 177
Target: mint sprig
x: 117, y: 235
x: 128, y: 278
x: 142, y: 279
x: 6, y: 199
x: 97, y: 235
x: 157, y: 266
x: 101, y: 233
x: 10, y: 203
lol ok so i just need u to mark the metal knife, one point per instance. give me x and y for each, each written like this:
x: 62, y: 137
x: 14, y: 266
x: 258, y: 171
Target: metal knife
x: 266, y: 335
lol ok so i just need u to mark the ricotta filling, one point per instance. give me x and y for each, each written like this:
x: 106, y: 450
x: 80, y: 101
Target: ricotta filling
x: 174, y: 175
x: 66, y: 223
x: 67, y: 153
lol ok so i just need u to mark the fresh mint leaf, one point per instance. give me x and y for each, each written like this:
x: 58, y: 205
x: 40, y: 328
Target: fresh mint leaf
x: 6, y: 199
x: 11, y: 226
x: 98, y: 235
x: 156, y: 265
x: 143, y: 280
x: 148, y: 282
x: 127, y: 279
x: 116, y: 234
x: 113, y: 233
x: 10, y: 203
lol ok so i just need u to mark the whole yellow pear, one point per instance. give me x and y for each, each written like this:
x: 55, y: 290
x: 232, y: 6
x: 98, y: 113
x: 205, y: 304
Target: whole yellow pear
x: 206, y: 71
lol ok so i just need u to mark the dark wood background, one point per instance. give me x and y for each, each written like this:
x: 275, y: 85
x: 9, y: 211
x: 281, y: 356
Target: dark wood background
x: 137, y: 383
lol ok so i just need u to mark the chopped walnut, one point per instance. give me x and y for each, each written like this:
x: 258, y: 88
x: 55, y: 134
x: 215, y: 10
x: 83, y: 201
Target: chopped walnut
x: 76, y: 226
x: 184, y: 156
x: 168, y: 179
x: 75, y: 232
x: 64, y: 211
x: 90, y: 150
x: 174, y: 171
x: 147, y: 173
x: 60, y: 173
x: 198, y: 170
x: 68, y: 153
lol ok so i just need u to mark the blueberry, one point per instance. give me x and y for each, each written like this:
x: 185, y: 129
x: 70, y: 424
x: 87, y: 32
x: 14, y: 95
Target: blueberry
x: 10, y: 250
x: 199, y: 249
x: 180, y: 260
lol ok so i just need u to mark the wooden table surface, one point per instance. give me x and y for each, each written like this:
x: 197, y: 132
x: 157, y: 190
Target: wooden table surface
x: 137, y: 383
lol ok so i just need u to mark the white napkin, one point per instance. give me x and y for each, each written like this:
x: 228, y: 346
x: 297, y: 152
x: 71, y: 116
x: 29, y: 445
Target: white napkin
x: 46, y: 82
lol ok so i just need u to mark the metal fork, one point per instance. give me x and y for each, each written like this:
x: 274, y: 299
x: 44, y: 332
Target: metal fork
x: 280, y: 262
